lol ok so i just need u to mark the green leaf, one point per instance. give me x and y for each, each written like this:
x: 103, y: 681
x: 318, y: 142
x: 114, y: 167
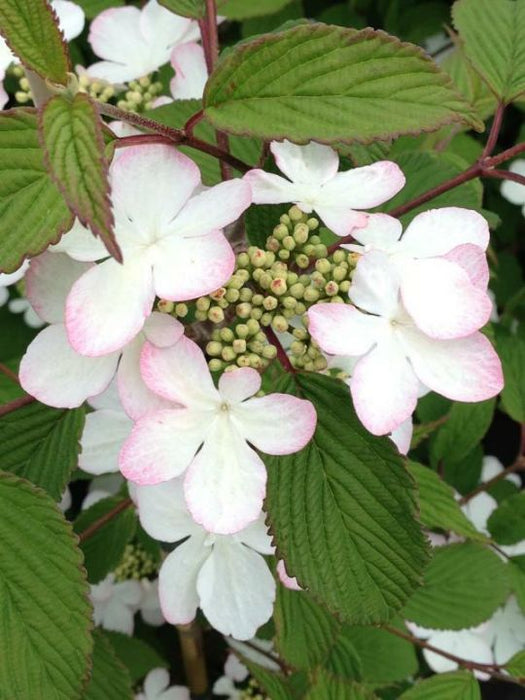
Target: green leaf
x: 46, y: 616
x: 330, y: 84
x: 326, y: 686
x: 92, y: 8
x: 464, y: 584
x: 31, y: 30
x: 42, y: 444
x: 517, y: 579
x: 464, y: 475
x: 137, y: 656
x: 438, y: 507
x: 26, y: 190
x: 71, y: 132
x: 516, y: 665
x: 260, y: 221
x: 511, y: 351
x: 187, y: 8
x: 493, y: 32
x: 460, y: 685
x: 424, y: 170
x: 342, y: 511
x: 469, y: 83
x: 507, y: 523
x: 110, y: 679
x: 240, y: 9
x: 177, y: 114
x: 464, y: 428
x: 103, y: 550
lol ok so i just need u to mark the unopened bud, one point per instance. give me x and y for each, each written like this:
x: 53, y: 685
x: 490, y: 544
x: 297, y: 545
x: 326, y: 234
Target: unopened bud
x: 201, y: 315
x: 257, y: 312
x: 285, y: 219
x: 215, y: 365
x: 165, y: 306
x: 284, y: 254
x: 258, y: 258
x: 312, y: 224
x: 218, y: 293
x: 269, y: 352
x: 297, y: 348
x: 278, y: 286
x: 272, y: 244
x: 266, y: 319
x: 257, y: 299
x: 232, y: 295
x: 339, y: 273
x: 253, y: 326
x: 311, y: 295
x: 339, y: 256
x: 216, y: 314
x: 280, y: 232
x: 214, y: 348
x: 228, y: 354
x: 331, y: 288
x: 301, y: 233
x: 296, y: 214
x: 203, y: 303
x: 243, y: 310
x: 302, y: 261
x: 270, y: 303
x: 227, y: 335
x: 280, y: 324
x: 243, y: 361
x: 243, y: 260
x: 239, y: 346
x: 289, y: 243
x: 345, y: 286
x: 181, y: 310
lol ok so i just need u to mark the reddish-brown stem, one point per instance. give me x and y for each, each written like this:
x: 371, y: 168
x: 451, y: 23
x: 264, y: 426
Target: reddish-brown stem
x: 493, y: 669
x: 9, y: 373
x: 142, y: 140
x: 95, y: 526
x: 193, y: 121
x: 506, y: 175
x: 494, y: 131
x: 519, y: 465
x: 15, y: 404
x: 281, y: 354
x: 507, y: 155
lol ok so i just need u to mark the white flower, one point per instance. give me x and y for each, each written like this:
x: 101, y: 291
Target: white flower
x: 150, y: 605
x: 506, y: 631
x: 234, y: 672
x: 156, y: 687
x: 314, y: 184
x: 226, y: 576
x: 12, y: 278
x: 191, y: 73
x: 115, y: 604
x: 23, y: 306
x: 513, y: 191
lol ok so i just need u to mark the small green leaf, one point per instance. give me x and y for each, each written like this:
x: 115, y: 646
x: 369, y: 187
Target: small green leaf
x: 507, y: 523
x: 459, y: 685
x: 493, y: 32
x: 42, y: 445
x: 26, y: 190
x: 92, y: 8
x: 110, y: 679
x: 516, y: 665
x: 72, y: 138
x: 31, y: 29
x: 331, y: 84
x: 511, y: 351
x: 103, y: 550
x: 342, y: 511
x: 438, y: 507
x: 464, y: 584
x: 325, y: 686
x: 240, y: 9
x: 46, y: 616
x: 137, y: 656
x: 187, y: 8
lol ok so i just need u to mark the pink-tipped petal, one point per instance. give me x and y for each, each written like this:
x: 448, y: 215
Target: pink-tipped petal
x: 465, y: 369
x: 179, y: 373
x: 384, y: 388
x: 236, y: 589
x: 474, y: 261
x: 162, y: 445
x: 239, y: 384
x: 163, y: 330
x: 163, y: 513
x: 278, y: 424
x: 381, y: 231
x: 438, y: 231
x: 187, y: 268
x: 115, y: 36
x: 441, y: 299
x: 363, y: 188
x: 341, y: 329
x: 162, y: 27
x: 310, y: 164
x: 342, y: 221
x: 289, y: 582
x: 226, y: 482
x: 108, y: 305
x: 103, y: 435
x: 191, y: 72
x: 402, y: 436
x: 178, y: 580
x: 268, y: 188
x: 56, y: 375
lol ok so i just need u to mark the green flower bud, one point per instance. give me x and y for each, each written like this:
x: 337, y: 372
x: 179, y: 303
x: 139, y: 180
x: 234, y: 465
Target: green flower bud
x: 181, y: 310
x: 289, y: 243
x: 280, y: 232
x: 311, y: 295
x: 339, y: 273
x: 239, y: 346
x: 235, y: 282
x: 300, y: 333
x: 242, y: 330
x: 309, y: 249
x: 266, y: 319
x: 214, y: 348
x: 270, y: 258
x: 272, y: 244
x: 302, y: 261
x: 296, y: 214
x: 285, y: 219
x: 279, y: 324
x: 243, y: 310
x: 227, y: 335
x: 257, y: 299
x: 203, y: 303
x: 337, y: 300
x: 245, y: 294
x: 243, y: 361
x: 278, y: 286
x: 256, y: 346
x: 317, y: 280
x: 300, y: 308
x: 218, y: 294
x: 320, y: 364
x: 265, y: 280
x: 312, y: 224
x: 320, y: 251
x: 353, y: 259
x: 297, y: 290
x: 291, y: 278
x: 228, y: 354
x: 216, y: 314
x: 258, y: 258
x: 232, y: 295
x: 22, y: 97
x: 323, y: 266
x: 201, y: 315
x: 297, y: 348
x: 269, y: 352
x: 339, y: 256
x: 270, y: 303
x: 315, y: 240
x: 345, y: 286
x: 243, y: 260
x: 301, y: 233
x: 331, y: 288
x: 165, y: 306
x: 215, y: 365
x: 257, y: 274
x: 253, y: 326
x: 289, y: 302
x: 284, y: 254
x: 257, y: 313
x: 256, y: 362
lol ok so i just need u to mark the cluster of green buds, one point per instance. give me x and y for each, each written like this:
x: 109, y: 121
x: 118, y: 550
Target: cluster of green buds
x: 253, y: 691
x: 293, y: 239
x: 170, y: 307
x: 136, y: 564
x: 243, y: 345
x: 140, y: 95
x: 23, y: 94
x: 98, y: 89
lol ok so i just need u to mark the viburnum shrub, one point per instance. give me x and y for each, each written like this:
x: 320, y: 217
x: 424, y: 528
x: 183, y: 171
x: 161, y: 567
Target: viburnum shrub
x: 262, y: 361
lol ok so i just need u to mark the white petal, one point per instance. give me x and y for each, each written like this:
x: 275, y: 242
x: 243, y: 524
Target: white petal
x: 513, y: 191
x: 463, y: 643
x: 12, y: 277
x: 474, y: 261
x: 80, y: 244
x: 103, y: 435
x: 478, y: 510
x: 375, y: 285
x: 163, y: 330
x: 115, y: 36
x: 191, y: 72
x: 239, y: 384
x: 50, y: 363
x: 312, y: 164
x: 341, y: 329
x: 402, y: 436
x: 163, y: 512
x: 381, y: 232
x: 363, y: 188
x: 178, y: 580
x: 256, y: 536
x: 71, y: 18
x: 268, y: 188
x: 156, y: 681
x: 234, y: 669
x: 341, y: 220
x: 162, y: 28
x: 236, y: 589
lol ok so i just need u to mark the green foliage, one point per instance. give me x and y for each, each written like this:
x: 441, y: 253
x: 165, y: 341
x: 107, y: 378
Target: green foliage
x: 511, y: 350
x: 465, y: 474
x: 71, y: 132
x: 315, y: 82
x: 186, y: 8
x: 493, y: 32
x: 94, y: 7
x: 275, y: 685
x: 46, y: 615
x: 240, y: 9
x: 31, y: 30
x: 103, y: 550
x: 26, y: 190
x: 260, y: 221
x: 516, y: 665
x: 517, y: 579
x: 42, y: 445
x: 110, y: 679
x: 460, y: 685
x: 343, y: 511
x: 438, y: 507
x: 464, y: 584
x: 469, y: 83
x: 507, y: 523
x: 326, y: 686
x: 137, y: 656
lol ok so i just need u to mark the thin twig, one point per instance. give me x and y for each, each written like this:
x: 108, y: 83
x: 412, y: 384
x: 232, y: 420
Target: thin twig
x: 192, y: 648
x: 281, y: 353
x: 276, y: 660
x: 494, y: 131
x: 505, y: 175
x: 95, y: 526
x: 519, y: 465
x: 9, y: 373
x: 15, y: 404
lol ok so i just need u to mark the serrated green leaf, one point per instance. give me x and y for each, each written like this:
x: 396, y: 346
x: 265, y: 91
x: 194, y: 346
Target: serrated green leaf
x: 26, y: 191
x: 110, y: 679
x: 511, y: 351
x: 187, y: 8
x: 464, y: 584
x: 460, y: 685
x: 330, y: 84
x: 71, y: 133
x: 438, y: 507
x: 493, y: 32
x: 274, y: 684
x: 31, y: 30
x: 507, y: 523
x: 92, y: 8
x: 464, y: 428
x: 517, y: 579
x: 342, y: 511
x: 137, y: 656
x: 103, y: 550
x: 516, y: 665
x: 240, y: 9
x: 469, y: 83
x: 324, y: 686
x: 46, y: 616
x: 42, y: 445
x: 177, y: 114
